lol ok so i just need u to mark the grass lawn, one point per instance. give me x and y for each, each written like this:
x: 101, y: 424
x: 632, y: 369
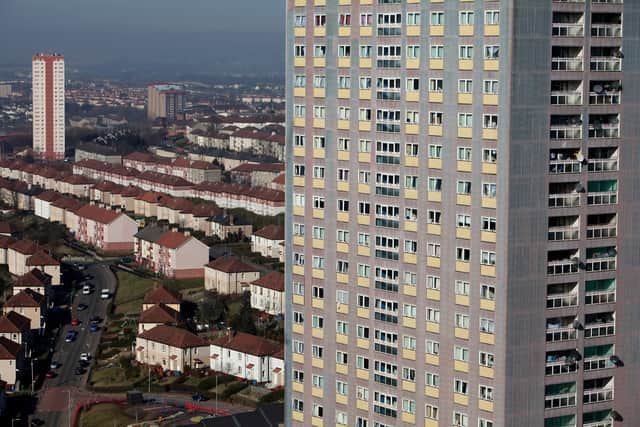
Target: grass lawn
x: 105, y: 414
x: 130, y: 293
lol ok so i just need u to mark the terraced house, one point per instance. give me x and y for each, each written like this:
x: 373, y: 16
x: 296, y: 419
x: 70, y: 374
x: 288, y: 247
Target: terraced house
x: 461, y: 241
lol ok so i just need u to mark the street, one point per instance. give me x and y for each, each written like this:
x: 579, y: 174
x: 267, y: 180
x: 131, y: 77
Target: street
x: 68, y: 354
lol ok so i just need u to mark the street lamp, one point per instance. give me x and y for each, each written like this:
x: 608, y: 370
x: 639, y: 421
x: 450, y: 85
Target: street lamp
x: 14, y: 419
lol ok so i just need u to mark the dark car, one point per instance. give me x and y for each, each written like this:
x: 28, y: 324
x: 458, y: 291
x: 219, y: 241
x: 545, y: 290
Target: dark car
x: 198, y: 397
x: 95, y: 319
x: 55, y: 365
x: 83, y: 364
x: 51, y: 374
x: 94, y: 327
x: 79, y: 371
x: 36, y: 422
x: 82, y: 307
x: 71, y: 336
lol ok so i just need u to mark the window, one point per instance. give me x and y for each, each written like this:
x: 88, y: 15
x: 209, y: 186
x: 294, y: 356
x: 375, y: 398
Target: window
x: 409, y: 374
x: 463, y: 221
x: 366, y: 19
x: 437, y: 18
x: 413, y: 84
x: 298, y: 170
x: 436, y: 52
x: 363, y: 301
x: 465, y: 86
x: 411, y: 214
x: 298, y: 318
x: 319, y: 51
x: 463, y: 254
x: 409, y: 406
x: 319, y: 112
x: 299, y: 50
x: 344, y: 19
x: 320, y: 20
x: 298, y: 288
x: 362, y: 422
x: 299, y: 110
x: 364, y: 177
x: 298, y: 405
x: 362, y: 393
x: 485, y: 392
x: 491, y: 52
x: 364, y: 114
x: 410, y: 278
x: 413, y: 51
x: 410, y: 181
x: 431, y: 411
x: 462, y: 287
x: 362, y: 362
x: 433, y: 216
x: 413, y: 117
x: 409, y: 342
x: 413, y: 18
x: 436, y: 85
x: 299, y: 140
x: 486, y: 359
x: 342, y: 205
x: 298, y: 376
x: 342, y: 418
x: 487, y: 325
x: 435, y: 151
x: 342, y: 267
x: 364, y: 146
x: 300, y: 20
x: 488, y: 292
x: 318, y: 202
x: 489, y: 190
x: 432, y: 347
x: 487, y: 258
x: 460, y: 419
x: 319, y: 141
x: 344, y: 82
x: 317, y: 351
x: 344, y: 51
x: 433, y: 249
x: 409, y: 310
x: 344, y: 113
x: 465, y: 51
x: 298, y: 200
x: 460, y: 386
x: 342, y: 388
x: 488, y: 224
x: 489, y: 155
x: 411, y: 150
x: 432, y: 380
x: 435, y: 118
x: 462, y: 321
x: 433, y: 315
x: 410, y: 246
x: 465, y: 120
x: 317, y: 381
x: 317, y: 292
x: 301, y: 80
x: 465, y: 17
x: 461, y: 353
x: 298, y: 347
x: 433, y: 282
x: 435, y: 184
x: 484, y: 423
x: 319, y: 81
x: 490, y: 87
x: 342, y: 297
x: 298, y: 258
x: 342, y: 236
x: 364, y: 208
x: 365, y: 82
x: 491, y: 17
x: 318, y: 172
x: 317, y: 262
x: 341, y: 357
x: 364, y: 239
x: 318, y: 410
x: 463, y: 187
x: 343, y: 174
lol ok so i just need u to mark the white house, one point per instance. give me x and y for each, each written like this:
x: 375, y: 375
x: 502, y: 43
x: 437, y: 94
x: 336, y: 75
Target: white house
x: 267, y: 293
x: 229, y: 275
x: 244, y: 356
x: 171, y: 348
x: 268, y: 242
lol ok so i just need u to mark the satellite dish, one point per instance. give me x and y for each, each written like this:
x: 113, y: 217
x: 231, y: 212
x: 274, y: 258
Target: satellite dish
x: 598, y: 88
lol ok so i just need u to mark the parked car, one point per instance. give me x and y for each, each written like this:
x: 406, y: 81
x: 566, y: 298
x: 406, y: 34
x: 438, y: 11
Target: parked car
x: 198, y: 397
x: 71, y: 336
x: 95, y: 319
x: 94, y: 327
x: 55, y: 365
x: 86, y: 290
x: 51, y: 374
x: 79, y: 371
x: 82, y: 307
x: 75, y: 321
x: 85, y: 357
x: 37, y: 422
x: 105, y: 293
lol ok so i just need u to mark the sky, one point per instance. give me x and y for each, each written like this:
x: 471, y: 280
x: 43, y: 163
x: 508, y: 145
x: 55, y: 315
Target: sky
x: 152, y: 36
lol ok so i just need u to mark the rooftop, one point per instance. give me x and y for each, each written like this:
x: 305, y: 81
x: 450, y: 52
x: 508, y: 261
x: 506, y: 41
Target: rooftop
x: 162, y: 295
x: 247, y: 343
x: 273, y: 280
x: 231, y: 264
x: 174, y: 337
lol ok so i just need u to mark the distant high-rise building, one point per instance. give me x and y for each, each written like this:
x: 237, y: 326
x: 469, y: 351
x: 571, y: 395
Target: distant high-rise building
x: 5, y: 90
x: 48, y: 106
x: 165, y: 101
x: 462, y: 182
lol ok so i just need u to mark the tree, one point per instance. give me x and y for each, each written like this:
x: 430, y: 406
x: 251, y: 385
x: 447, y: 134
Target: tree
x: 212, y: 309
x: 243, y: 321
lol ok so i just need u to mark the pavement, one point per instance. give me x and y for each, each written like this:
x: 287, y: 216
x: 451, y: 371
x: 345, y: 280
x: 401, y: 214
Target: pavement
x: 53, y: 397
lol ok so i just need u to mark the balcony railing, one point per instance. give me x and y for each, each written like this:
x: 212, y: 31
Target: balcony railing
x: 602, y: 165
x: 555, y: 268
x: 597, y: 363
x: 566, y: 64
x: 600, y: 297
x: 600, y: 264
x: 562, y: 300
x: 598, y: 395
x: 565, y: 132
x: 560, y: 401
x: 604, y: 131
x: 564, y: 233
x: 602, y: 198
x: 570, y: 200
x: 566, y: 98
x: 567, y: 30
x: 564, y: 166
x: 561, y: 334
x: 601, y: 231
x: 595, y: 330
x: 604, y: 98
x: 606, y: 30
x: 606, y: 63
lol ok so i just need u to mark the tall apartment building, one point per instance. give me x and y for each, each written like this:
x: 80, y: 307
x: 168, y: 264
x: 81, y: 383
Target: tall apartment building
x: 463, y: 187
x: 48, y: 106
x: 165, y: 101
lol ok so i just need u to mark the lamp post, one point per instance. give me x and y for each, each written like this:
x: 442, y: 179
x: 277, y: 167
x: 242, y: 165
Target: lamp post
x: 69, y: 406
x: 13, y: 420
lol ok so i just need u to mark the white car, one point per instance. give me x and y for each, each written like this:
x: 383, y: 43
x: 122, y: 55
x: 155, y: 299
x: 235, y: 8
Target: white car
x: 85, y: 357
x: 86, y: 290
x: 105, y: 294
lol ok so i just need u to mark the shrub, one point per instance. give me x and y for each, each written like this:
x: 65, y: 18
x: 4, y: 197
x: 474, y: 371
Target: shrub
x: 233, y: 389
x: 274, y: 396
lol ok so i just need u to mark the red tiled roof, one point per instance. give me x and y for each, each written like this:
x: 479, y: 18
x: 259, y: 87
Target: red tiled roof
x: 139, y: 157
x: 173, y: 239
x: 280, y: 179
x: 6, y: 241
x: 25, y: 247
x: 206, y: 210
x: 231, y: 264
x: 162, y: 295
x: 9, y: 350
x: 150, y: 197
x: 271, y: 232
x: 77, y: 180
x: 33, y: 278
x: 6, y: 228
x: 26, y: 298
x: 13, y: 322
x: 48, y: 196
x: 158, y: 314
x: 249, y: 344
x: 174, y: 337
x: 132, y: 191
x: 273, y: 280
x: 259, y: 167
x: 41, y: 258
x: 98, y: 214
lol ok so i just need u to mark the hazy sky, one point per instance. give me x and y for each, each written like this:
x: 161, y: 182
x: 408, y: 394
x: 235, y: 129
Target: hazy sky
x: 198, y: 36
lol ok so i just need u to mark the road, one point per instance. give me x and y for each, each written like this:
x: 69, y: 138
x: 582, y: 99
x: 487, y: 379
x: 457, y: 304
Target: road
x: 68, y: 354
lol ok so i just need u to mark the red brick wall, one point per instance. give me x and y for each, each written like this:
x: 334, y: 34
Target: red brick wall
x: 191, y: 273
x: 118, y: 247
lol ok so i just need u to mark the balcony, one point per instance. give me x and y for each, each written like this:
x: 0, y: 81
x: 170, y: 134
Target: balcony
x: 564, y: 228
x: 567, y: 24
x: 598, y: 390
x: 600, y: 292
x: 606, y: 59
x: 606, y: 25
x: 566, y: 92
x: 560, y: 395
x: 599, y: 357
x: 604, y: 126
x: 564, y: 194
x: 600, y: 324
x: 601, y: 259
x: 602, y: 226
x: 603, y: 418
x: 565, y: 127
x: 565, y: 160
x: 602, y: 192
x: 561, y: 362
x: 603, y: 159
x: 561, y: 329
x: 562, y: 295
x: 566, y: 58
x: 605, y: 92
x: 563, y: 262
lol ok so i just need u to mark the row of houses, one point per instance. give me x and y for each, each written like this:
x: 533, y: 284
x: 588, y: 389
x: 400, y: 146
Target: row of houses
x: 248, y: 139
x: 259, y: 200
x: 194, y: 171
